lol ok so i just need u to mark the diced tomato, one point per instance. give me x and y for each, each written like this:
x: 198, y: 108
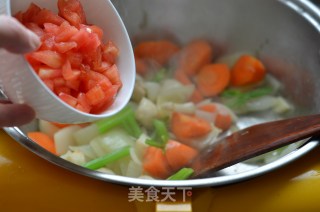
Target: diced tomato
x: 49, y: 73
x: 95, y: 95
x: 47, y: 16
x: 74, y: 58
x: 66, y: 31
x: 103, y: 67
x: 97, y: 30
x: 68, y: 73
x: 35, y: 28
x: 64, y: 47
x: 70, y: 100
x: 83, y: 103
x: 59, y: 81
x: 62, y: 89
x: 31, y: 13
x: 113, y: 75
x: 73, y: 84
x: 49, y: 83
x: 50, y: 58
x: 110, y: 95
x: 92, y: 78
x: 110, y: 52
x: 19, y: 16
x: 72, y: 11
x: 51, y: 28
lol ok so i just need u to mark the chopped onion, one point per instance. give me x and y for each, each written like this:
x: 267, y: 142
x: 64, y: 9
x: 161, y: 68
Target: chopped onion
x: 74, y: 157
x: 146, y: 112
x: 64, y: 138
x: 85, y: 135
x: 152, y: 89
x: 48, y: 128
x: 173, y: 91
x: 261, y: 104
x: 86, y: 150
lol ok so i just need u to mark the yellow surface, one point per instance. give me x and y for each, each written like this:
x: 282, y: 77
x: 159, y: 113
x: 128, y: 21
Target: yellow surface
x: 29, y: 183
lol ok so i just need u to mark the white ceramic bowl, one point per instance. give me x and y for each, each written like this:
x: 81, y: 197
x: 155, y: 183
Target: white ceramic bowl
x: 22, y: 85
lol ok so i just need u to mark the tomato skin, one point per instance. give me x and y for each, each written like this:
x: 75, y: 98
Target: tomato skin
x: 72, y: 60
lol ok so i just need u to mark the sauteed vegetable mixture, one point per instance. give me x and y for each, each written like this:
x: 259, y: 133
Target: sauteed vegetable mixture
x: 184, y: 99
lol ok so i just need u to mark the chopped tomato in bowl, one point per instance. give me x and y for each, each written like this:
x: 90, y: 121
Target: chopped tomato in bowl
x: 85, y: 63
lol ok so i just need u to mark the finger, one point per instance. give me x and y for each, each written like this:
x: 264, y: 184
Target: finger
x: 15, y: 37
x: 15, y: 114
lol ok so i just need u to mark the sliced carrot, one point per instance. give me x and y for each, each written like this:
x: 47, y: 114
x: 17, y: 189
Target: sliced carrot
x: 141, y: 66
x: 182, y: 77
x: 222, y: 117
x: 247, y: 70
x: 160, y: 51
x: 43, y: 140
x: 212, y: 79
x: 195, y: 55
x: 196, y: 96
x: 179, y: 155
x: 187, y: 127
x: 155, y: 163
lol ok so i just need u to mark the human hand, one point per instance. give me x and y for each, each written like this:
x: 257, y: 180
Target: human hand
x: 15, y: 38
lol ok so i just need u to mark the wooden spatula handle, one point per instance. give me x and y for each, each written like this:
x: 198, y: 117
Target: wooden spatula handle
x: 254, y: 141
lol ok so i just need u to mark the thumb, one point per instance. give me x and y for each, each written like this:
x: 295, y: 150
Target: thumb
x: 15, y: 114
x: 15, y: 37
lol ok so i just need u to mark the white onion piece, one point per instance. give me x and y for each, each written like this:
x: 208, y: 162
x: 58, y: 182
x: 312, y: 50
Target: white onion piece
x: 86, y: 150
x: 86, y: 134
x: 281, y: 105
x: 48, y: 128
x: 105, y: 170
x: 186, y: 108
x: 135, y: 157
x: 146, y: 112
x: 210, y: 117
x: 173, y: 91
x: 152, y: 89
x: 133, y: 169
x: 261, y: 104
x: 75, y: 157
x: 64, y: 138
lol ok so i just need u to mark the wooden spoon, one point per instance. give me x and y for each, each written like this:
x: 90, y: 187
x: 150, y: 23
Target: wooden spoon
x: 253, y: 141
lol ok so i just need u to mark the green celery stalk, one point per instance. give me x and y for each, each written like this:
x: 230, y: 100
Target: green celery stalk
x: 161, y: 131
x: 182, y: 174
x: 133, y: 125
x: 154, y: 143
x: 108, y: 158
x: 113, y: 121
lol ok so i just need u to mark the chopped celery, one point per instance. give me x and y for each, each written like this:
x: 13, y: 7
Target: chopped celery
x: 108, y: 158
x: 237, y: 98
x: 161, y: 131
x: 160, y: 75
x: 125, y: 118
x: 133, y: 125
x: 160, y: 136
x: 154, y: 143
x: 182, y: 174
x: 113, y: 121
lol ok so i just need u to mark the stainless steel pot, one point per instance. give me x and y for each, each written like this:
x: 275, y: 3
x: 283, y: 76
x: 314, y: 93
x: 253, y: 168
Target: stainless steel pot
x: 285, y: 34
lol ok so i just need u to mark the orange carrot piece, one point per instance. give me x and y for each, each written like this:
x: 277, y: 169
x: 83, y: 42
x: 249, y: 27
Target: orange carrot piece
x: 155, y: 163
x: 247, y: 70
x: 179, y: 155
x: 212, y: 79
x: 223, y: 119
x: 186, y: 127
x: 43, y: 140
x: 196, y: 96
x: 195, y: 55
x: 141, y: 66
x: 160, y: 51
